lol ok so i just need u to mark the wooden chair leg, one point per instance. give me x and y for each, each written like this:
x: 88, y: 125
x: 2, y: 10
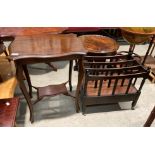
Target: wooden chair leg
x: 150, y: 118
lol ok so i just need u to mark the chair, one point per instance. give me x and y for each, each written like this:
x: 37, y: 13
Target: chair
x: 8, y: 80
x: 150, y: 119
x: 139, y: 35
x: 111, y: 79
x: 3, y: 49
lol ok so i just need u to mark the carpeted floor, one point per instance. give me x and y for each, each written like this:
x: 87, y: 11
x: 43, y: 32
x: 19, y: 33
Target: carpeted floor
x: 60, y: 110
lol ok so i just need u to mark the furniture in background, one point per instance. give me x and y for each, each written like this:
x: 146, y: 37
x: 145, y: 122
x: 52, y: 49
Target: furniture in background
x: 112, y: 32
x: 45, y: 48
x: 8, y: 81
x: 9, y: 34
x: 3, y: 49
x: 12, y: 32
x: 139, y: 35
x: 8, y: 111
x: 82, y: 30
x: 150, y: 119
x: 111, y: 79
x: 99, y: 44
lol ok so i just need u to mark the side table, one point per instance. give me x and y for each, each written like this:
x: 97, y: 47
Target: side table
x: 8, y: 111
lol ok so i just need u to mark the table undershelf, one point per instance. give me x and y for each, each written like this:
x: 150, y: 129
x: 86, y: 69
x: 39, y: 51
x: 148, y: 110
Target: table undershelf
x: 52, y: 90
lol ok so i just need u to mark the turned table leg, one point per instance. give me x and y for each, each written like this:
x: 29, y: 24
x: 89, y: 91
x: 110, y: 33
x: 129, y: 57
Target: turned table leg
x: 19, y: 74
x: 150, y: 118
x: 80, y: 78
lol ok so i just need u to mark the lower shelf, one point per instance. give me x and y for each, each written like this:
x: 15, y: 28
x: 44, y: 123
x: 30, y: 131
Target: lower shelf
x: 52, y: 90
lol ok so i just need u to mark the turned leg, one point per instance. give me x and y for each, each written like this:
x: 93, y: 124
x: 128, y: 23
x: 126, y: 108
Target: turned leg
x: 152, y: 49
x: 80, y: 78
x: 28, y: 79
x: 150, y: 118
x: 148, y: 50
x: 19, y: 75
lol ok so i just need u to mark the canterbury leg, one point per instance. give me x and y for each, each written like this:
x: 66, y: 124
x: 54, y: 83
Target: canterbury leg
x: 70, y: 74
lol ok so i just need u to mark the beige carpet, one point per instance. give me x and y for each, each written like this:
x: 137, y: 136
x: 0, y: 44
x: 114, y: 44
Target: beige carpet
x: 60, y: 110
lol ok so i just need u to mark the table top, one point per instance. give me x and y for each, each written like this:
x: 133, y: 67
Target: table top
x: 45, y: 45
x: 24, y: 31
x: 140, y: 30
x: 98, y: 43
x: 137, y: 35
x: 8, y: 110
x: 52, y: 45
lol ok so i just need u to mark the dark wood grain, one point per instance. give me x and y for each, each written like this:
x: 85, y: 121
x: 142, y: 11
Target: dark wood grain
x: 8, y: 112
x: 45, y: 45
x: 98, y: 43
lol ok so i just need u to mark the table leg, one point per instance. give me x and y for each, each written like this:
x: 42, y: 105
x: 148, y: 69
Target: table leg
x: 28, y: 79
x: 132, y: 47
x: 148, y: 50
x: 70, y: 74
x: 150, y: 118
x: 80, y: 78
x: 19, y: 74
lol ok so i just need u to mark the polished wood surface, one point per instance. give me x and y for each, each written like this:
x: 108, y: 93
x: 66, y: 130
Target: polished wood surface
x: 137, y: 35
x: 24, y: 31
x: 98, y: 43
x: 8, y: 111
x: 45, y: 46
